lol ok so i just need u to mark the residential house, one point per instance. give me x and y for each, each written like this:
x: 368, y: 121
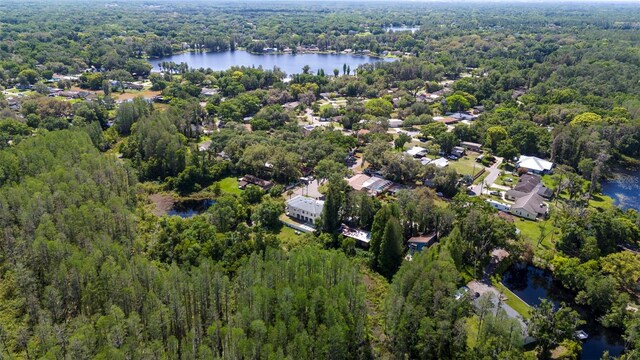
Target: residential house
x: 208, y: 91
x: 417, y: 152
x: 291, y: 105
x: 417, y: 243
x: 534, y: 164
x: 362, y: 237
x: 14, y: 104
x: 446, y: 120
x: 471, y: 146
x: 441, y: 162
x: 357, y: 181
x: 254, y: 180
x: 395, y: 123
x: 463, y: 116
x: 530, y: 207
x: 458, y: 151
x: 545, y: 192
x: 376, y: 185
x: 528, y: 183
x: 514, y: 195
x: 304, y: 209
x: 498, y: 205
x: 133, y: 86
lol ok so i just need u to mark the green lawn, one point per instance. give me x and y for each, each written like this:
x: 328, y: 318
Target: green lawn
x: 512, y: 300
x: 502, y: 179
x: 289, y: 239
x: 602, y: 202
x: 230, y: 185
x: 466, y: 165
x: 530, y: 231
x: 473, y: 324
x: 287, y: 235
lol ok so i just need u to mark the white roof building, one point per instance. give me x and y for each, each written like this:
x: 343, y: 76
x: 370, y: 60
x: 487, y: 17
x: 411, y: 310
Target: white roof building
x: 394, y: 123
x: 416, y: 151
x: 534, y: 164
x: 304, y: 208
x: 441, y: 162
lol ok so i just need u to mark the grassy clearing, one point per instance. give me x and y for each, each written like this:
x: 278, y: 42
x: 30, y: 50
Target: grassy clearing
x: 230, y: 185
x: 502, y: 179
x: 287, y: 235
x: 530, y: 231
x: 466, y: 165
x: 602, y: 202
x: 376, y: 294
x: 512, y: 300
x: 473, y: 325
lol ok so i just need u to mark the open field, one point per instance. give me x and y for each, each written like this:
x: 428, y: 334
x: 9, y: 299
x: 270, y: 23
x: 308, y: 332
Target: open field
x: 230, y: 185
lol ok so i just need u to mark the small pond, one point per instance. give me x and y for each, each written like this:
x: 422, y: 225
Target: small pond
x: 532, y: 284
x: 624, y: 188
x: 189, y: 208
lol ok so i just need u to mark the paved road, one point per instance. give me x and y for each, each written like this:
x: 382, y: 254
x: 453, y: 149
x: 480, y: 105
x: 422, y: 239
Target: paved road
x: 494, y: 173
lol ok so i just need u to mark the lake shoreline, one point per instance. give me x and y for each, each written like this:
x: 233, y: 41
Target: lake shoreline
x: 286, y: 62
x: 208, y: 51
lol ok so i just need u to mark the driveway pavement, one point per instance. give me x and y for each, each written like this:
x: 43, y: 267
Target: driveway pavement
x: 496, y: 296
x: 494, y: 174
x: 310, y: 190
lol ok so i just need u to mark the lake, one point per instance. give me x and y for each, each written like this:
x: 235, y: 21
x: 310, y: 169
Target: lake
x: 401, y: 28
x: 624, y: 188
x: 289, y: 63
x: 189, y: 208
x: 532, y: 284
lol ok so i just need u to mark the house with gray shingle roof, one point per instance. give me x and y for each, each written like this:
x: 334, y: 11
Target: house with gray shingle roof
x: 530, y: 206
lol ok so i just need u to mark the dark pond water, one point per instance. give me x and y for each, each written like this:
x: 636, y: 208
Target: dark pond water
x: 532, y: 284
x: 289, y: 63
x: 189, y: 208
x: 624, y: 188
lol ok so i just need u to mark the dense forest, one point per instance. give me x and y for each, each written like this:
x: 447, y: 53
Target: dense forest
x: 97, y: 149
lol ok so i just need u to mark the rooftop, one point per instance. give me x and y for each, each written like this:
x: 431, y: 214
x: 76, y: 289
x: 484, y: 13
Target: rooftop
x: 532, y: 203
x: 357, y: 181
x: 534, y: 163
x: 423, y: 239
x: 308, y: 204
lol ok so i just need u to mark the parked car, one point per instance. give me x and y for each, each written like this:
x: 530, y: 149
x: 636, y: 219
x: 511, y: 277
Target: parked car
x: 495, y: 193
x: 461, y: 292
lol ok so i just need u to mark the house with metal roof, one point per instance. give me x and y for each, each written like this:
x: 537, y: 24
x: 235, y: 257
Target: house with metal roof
x: 534, y: 164
x: 417, y: 151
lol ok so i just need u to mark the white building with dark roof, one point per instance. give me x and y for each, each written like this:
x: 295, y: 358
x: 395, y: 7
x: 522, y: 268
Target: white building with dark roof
x: 304, y: 209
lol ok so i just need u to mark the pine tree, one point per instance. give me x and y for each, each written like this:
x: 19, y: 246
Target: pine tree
x: 377, y: 230
x: 390, y: 256
x: 331, y: 213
